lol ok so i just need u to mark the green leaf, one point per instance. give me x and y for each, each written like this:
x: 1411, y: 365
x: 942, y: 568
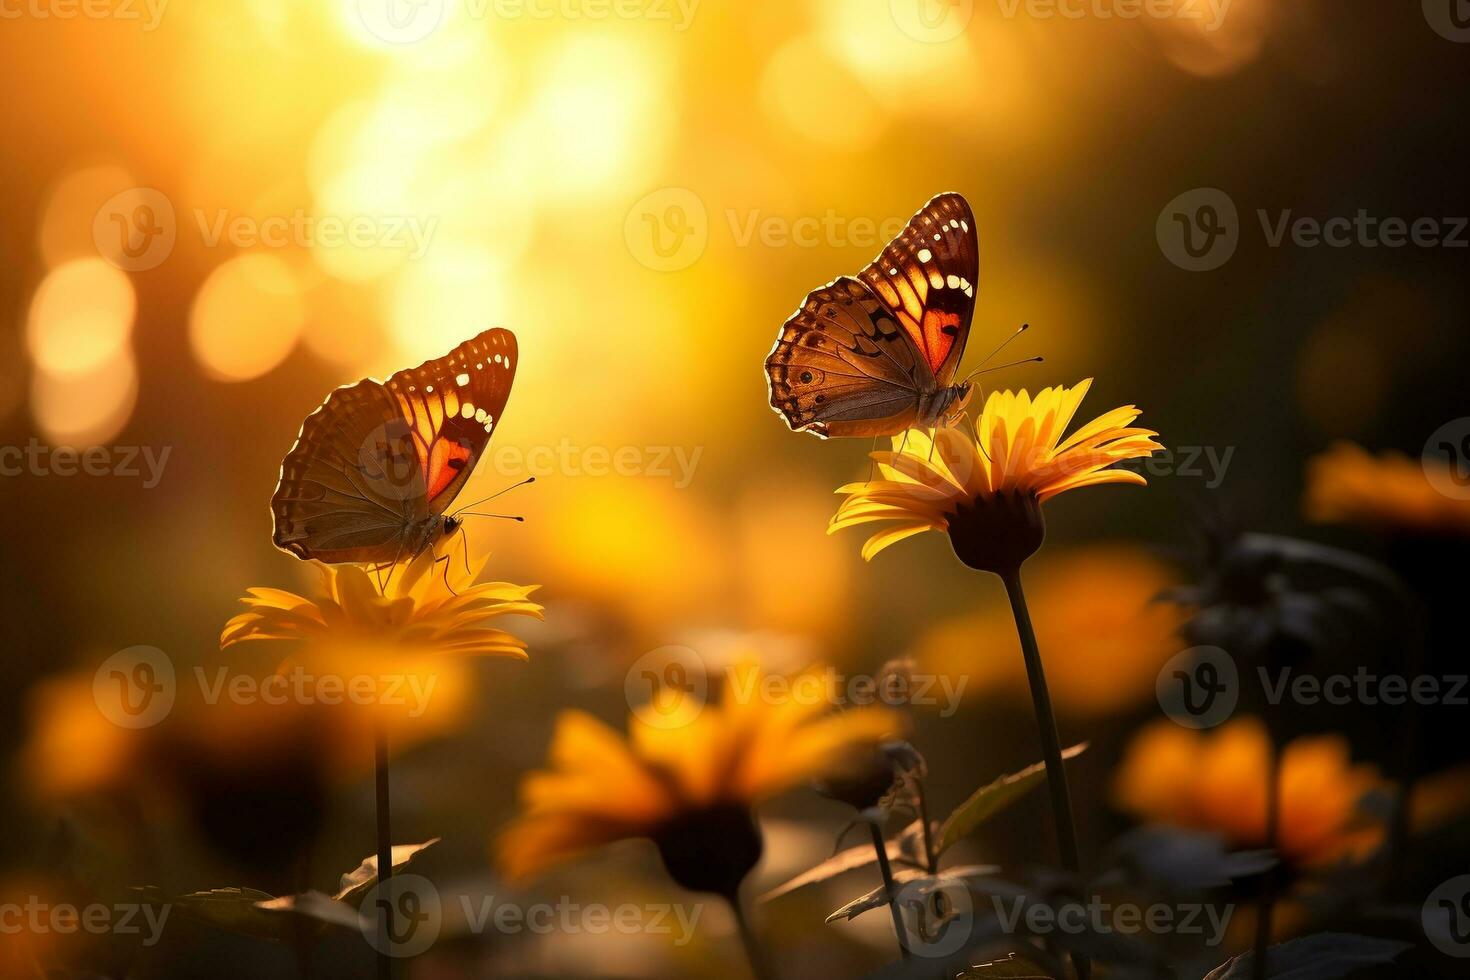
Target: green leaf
x: 907, y: 849
x: 878, y: 897
x: 231, y: 909
x: 989, y: 800
x: 1010, y: 968
x: 358, y: 882
x: 1325, y: 956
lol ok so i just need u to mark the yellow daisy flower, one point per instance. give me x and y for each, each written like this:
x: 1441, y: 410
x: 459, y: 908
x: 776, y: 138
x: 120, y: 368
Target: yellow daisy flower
x: 987, y: 490
x: 1347, y: 484
x: 1216, y: 781
x: 689, y: 787
x: 427, y: 606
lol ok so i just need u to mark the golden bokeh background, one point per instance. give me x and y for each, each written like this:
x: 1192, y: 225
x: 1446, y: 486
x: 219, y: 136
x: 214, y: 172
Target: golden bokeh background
x: 217, y: 211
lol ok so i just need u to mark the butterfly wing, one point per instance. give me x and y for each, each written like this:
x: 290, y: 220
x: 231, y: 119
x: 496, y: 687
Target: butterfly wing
x: 860, y: 354
x: 926, y: 279
x: 844, y: 367
x: 378, y: 460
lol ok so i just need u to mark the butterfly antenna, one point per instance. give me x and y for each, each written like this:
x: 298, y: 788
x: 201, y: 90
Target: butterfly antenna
x: 503, y: 517
x: 513, y: 486
x: 1001, y: 367
x: 1000, y: 347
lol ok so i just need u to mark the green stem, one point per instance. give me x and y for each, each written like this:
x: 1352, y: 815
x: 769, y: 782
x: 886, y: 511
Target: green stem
x: 890, y: 890
x: 1268, y: 883
x: 931, y: 860
x: 755, y: 955
x: 385, y: 849
x: 1051, y: 746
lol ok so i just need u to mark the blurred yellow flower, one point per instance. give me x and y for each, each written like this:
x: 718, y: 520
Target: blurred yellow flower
x: 428, y: 606
x: 689, y: 786
x: 987, y: 491
x: 1096, y: 616
x: 1347, y: 484
x: 1216, y: 781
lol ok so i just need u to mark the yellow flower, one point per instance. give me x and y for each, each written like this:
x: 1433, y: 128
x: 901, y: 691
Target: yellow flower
x: 1217, y: 782
x: 987, y: 491
x: 690, y: 787
x: 428, y: 607
x: 1346, y: 484
x: 1096, y: 615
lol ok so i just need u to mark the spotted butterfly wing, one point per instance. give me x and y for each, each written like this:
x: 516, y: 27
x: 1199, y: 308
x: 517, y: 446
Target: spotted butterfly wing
x: 378, y: 463
x: 873, y: 355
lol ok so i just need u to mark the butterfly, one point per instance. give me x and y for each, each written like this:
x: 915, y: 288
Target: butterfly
x: 875, y: 355
x: 377, y: 465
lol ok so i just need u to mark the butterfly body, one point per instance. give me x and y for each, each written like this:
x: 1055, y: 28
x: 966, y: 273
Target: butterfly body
x: 875, y: 354
x: 377, y: 465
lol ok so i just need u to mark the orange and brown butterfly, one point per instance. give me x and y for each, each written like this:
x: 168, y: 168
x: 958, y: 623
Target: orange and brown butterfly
x: 378, y: 464
x: 878, y: 354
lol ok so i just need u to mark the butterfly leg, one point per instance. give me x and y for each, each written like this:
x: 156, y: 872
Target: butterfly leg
x: 872, y: 463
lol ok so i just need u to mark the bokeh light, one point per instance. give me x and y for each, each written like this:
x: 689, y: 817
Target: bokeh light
x: 246, y: 318
x: 80, y: 317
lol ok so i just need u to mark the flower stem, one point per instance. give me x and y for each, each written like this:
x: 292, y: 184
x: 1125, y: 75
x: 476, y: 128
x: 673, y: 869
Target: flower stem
x: 889, y: 889
x: 931, y: 860
x: 1051, y: 746
x: 385, y: 848
x: 1268, y: 885
x: 756, y: 956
